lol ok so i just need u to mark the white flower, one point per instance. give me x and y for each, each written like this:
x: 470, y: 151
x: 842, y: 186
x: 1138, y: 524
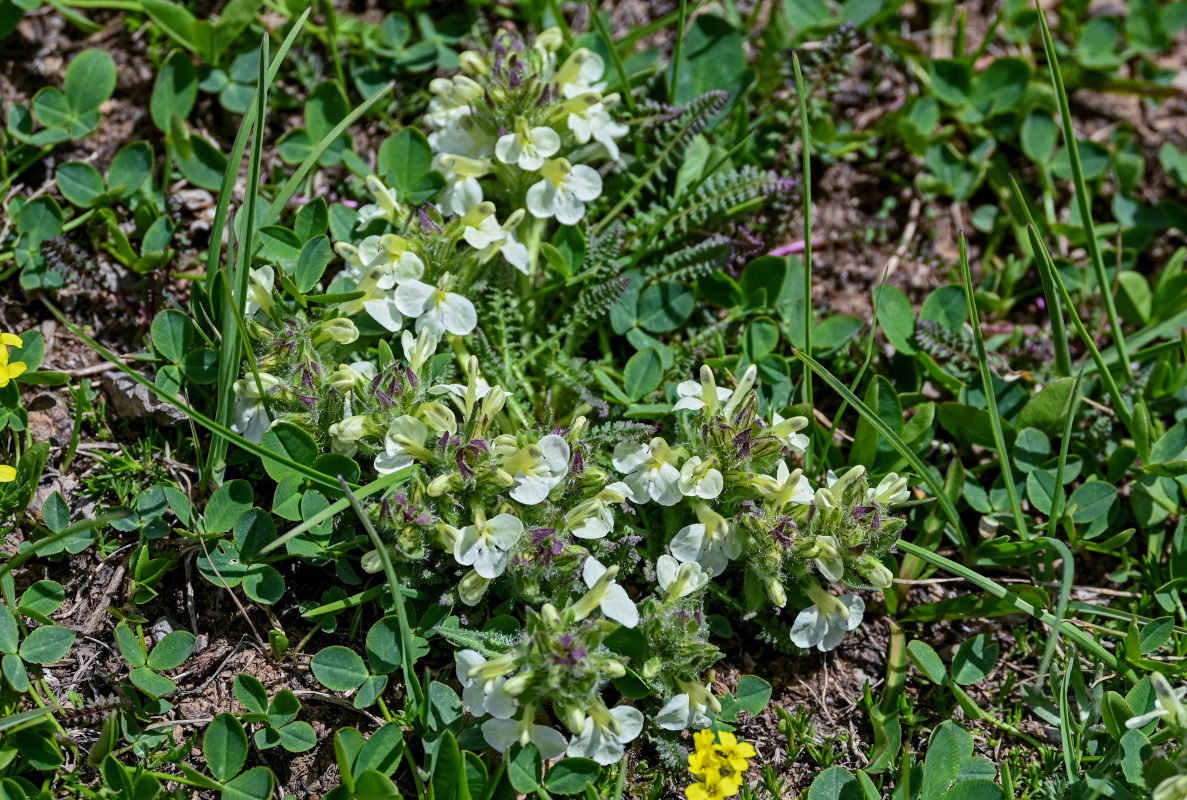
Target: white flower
x: 590, y: 519
x: 594, y: 122
x: 679, y: 579
x: 502, y: 733
x: 580, y: 73
x: 377, y: 299
x: 688, y: 709
x: 436, y: 308
x: 403, y: 443
x: 650, y: 471
x: 891, y: 491
x: 824, y: 623
x: 787, y: 486
x: 699, y: 478
x: 1167, y: 705
x: 486, y: 545
x: 829, y: 562
x: 615, y: 603
x: 482, y: 696
x: 385, y: 206
x: 606, y: 733
x: 483, y: 232
x: 462, y: 190
x: 703, y: 393
x: 527, y: 147
x: 564, y: 191
x: 462, y: 137
x: 712, y: 542
x: 418, y: 349
x: 786, y: 429
x: 537, y: 468
x: 250, y: 415
x: 393, y: 254
x: 259, y: 290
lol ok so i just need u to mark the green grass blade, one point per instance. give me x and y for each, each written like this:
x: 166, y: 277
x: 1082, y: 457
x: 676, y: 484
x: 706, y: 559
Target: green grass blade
x: 1084, y: 640
x: 374, y: 487
x: 1063, y: 359
x: 895, y: 440
x: 1082, y: 198
x: 271, y: 212
x: 238, y: 148
x: 995, y: 419
x: 615, y: 57
x: 233, y: 304
x: 807, y: 184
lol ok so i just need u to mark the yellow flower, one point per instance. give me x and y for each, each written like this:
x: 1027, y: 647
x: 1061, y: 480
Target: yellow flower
x: 7, y: 473
x: 735, y: 753
x: 703, y: 763
x: 704, y: 740
x: 715, y: 787
x: 9, y: 371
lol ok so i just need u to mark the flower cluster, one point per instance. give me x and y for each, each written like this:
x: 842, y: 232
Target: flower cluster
x: 527, y: 119
x: 717, y: 762
x: 603, y: 539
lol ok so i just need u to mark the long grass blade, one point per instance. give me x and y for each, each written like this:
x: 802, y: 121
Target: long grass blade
x: 807, y: 184
x: 1084, y: 640
x: 397, y: 589
x: 995, y: 419
x: 1082, y: 197
x: 233, y: 304
x: 1063, y: 359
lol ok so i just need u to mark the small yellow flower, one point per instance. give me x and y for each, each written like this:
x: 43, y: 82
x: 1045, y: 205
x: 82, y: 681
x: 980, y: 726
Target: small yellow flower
x: 734, y: 753
x: 7, y: 473
x: 703, y: 763
x: 704, y: 740
x: 9, y: 371
x: 715, y: 787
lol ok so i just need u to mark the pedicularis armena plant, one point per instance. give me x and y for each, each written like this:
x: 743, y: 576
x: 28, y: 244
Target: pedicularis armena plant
x: 601, y: 535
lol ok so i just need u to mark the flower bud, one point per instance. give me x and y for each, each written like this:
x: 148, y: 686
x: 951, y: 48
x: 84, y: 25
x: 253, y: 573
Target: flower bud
x: 574, y: 718
x: 493, y: 403
x: 448, y: 535
x: 550, y: 615
x: 550, y: 40
x: 614, y: 669
x: 443, y: 483
x: 874, y: 571
x: 473, y: 63
x: 516, y: 685
x: 339, y: 329
x: 437, y: 416
x: 471, y: 588
x: 776, y: 593
x: 744, y: 386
